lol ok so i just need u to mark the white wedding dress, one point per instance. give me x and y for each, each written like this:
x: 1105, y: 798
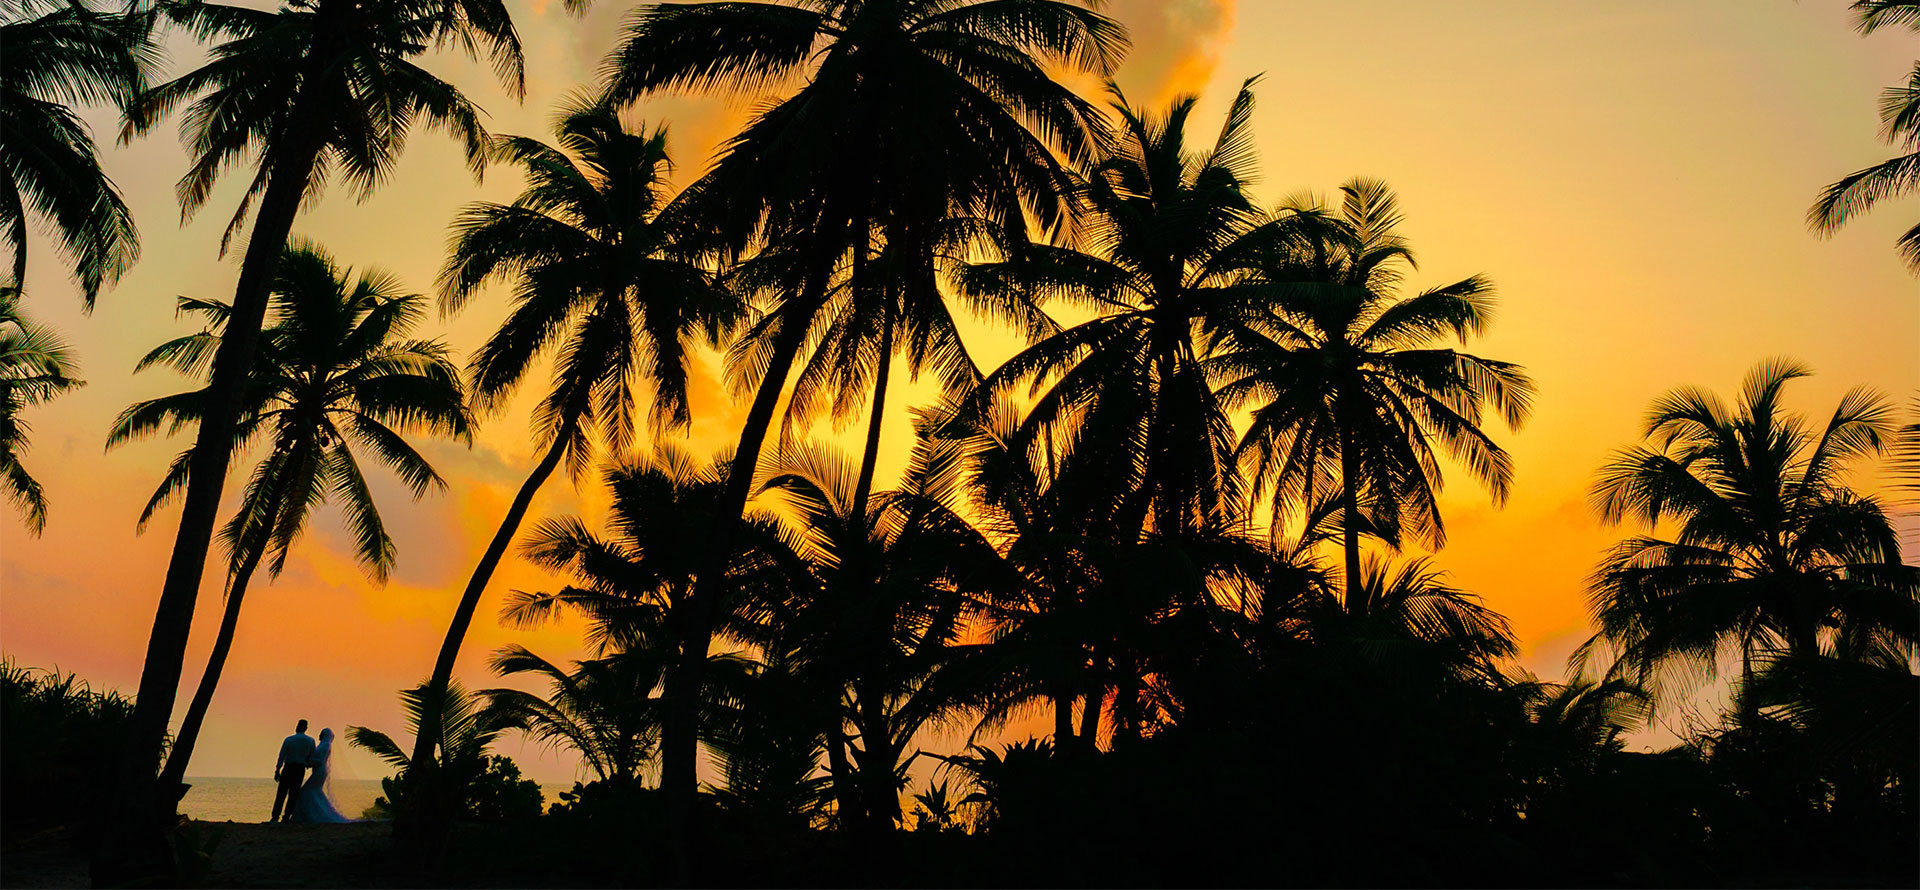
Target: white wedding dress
x: 315, y: 803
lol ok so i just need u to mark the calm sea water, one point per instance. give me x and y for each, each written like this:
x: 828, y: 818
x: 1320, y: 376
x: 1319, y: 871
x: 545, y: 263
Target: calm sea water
x: 251, y: 799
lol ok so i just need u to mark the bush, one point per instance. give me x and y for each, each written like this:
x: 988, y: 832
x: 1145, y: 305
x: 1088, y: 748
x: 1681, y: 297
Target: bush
x: 500, y: 795
x: 497, y: 795
x: 58, y: 740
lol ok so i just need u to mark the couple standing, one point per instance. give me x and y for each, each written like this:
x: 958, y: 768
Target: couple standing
x: 313, y: 801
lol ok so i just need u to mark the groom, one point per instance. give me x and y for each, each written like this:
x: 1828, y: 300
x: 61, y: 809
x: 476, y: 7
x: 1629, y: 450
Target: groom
x: 290, y: 769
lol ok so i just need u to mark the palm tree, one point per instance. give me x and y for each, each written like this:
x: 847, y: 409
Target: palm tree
x: 1900, y: 126
x: 604, y: 708
x: 1755, y: 543
x: 62, y: 53
x: 335, y: 373
x: 911, y: 112
x: 1052, y: 537
x: 34, y: 367
x: 1338, y: 371
x: 878, y: 615
x: 1410, y: 629
x: 310, y: 88
x: 594, y: 251
x: 468, y: 726
x: 1126, y: 392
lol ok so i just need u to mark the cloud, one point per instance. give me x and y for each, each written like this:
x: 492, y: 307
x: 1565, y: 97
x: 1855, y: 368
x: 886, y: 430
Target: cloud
x: 1177, y: 44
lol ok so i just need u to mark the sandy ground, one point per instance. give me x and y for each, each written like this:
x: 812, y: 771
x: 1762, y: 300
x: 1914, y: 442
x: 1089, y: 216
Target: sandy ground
x: 250, y: 854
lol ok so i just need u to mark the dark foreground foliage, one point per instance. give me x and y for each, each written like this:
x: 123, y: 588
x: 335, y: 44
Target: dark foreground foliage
x: 55, y: 733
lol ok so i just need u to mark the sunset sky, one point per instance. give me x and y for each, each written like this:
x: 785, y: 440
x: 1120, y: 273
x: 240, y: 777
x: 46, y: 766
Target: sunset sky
x: 1633, y: 176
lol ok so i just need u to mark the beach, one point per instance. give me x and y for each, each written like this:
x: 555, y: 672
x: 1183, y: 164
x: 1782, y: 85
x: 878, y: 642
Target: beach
x: 249, y: 799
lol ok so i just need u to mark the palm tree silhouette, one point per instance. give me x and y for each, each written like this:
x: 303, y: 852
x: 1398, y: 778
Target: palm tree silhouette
x: 1337, y: 370
x: 34, y: 367
x: 1127, y: 389
x: 335, y: 374
x: 593, y: 250
x: 1756, y: 544
x: 912, y: 111
x: 1052, y: 538
x: 61, y: 53
x: 311, y: 88
x: 877, y: 614
x: 1858, y: 191
x: 604, y: 708
x: 468, y: 724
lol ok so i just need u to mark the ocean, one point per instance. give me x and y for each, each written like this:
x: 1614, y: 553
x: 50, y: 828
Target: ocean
x: 251, y: 799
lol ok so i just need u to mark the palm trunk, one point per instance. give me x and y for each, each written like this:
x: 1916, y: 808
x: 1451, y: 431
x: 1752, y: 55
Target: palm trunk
x: 414, y: 822
x: 679, y: 738
x: 1062, y: 721
x: 879, y: 796
x: 1350, y: 529
x: 845, y: 794
x: 1090, y: 720
x: 863, y: 488
x: 140, y: 807
x: 890, y: 295
x: 1126, y: 710
x: 182, y: 750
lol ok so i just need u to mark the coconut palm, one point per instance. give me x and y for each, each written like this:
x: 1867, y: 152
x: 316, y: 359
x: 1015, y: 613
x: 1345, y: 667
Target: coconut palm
x: 62, y: 53
x: 1349, y: 397
x: 468, y: 726
x: 1051, y: 538
x: 309, y: 89
x: 877, y: 615
x: 34, y: 367
x: 335, y: 374
x: 1860, y: 190
x: 1756, y: 546
x: 908, y: 112
x: 1126, y: 393
x: 592, y: 249
x: 628, y: 582
x: 605, y: 708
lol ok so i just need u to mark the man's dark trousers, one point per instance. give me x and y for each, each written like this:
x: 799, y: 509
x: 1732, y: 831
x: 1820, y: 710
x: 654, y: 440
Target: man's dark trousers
x: 289, y: 791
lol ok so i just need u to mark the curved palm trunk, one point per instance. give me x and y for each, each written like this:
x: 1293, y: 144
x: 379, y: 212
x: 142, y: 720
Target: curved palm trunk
x: 863, y: 488
x: 414, y: 824
x: 679, y: 737
x: 140, y: 806
x: 182, y: 750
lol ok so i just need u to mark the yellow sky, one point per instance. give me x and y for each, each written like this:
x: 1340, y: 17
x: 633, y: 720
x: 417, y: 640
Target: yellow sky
x: 1632, y: 175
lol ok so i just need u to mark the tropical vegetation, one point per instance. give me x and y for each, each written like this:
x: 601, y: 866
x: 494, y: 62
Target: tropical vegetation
x: 1158, y: 598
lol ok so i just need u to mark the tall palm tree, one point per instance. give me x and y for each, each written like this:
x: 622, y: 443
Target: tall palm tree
x: 1756, y: 545
x: 908, y: 112
x: 34, y: 367
x: 335, y: 374
x: 1127, y: 392
x: 62, y: 53
x: 310, y: 88
x: 1348, y: 396
x: 595, y: 255
x: 1900, y: 126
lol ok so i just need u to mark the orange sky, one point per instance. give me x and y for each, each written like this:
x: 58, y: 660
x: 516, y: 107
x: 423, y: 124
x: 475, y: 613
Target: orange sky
x: 1632, y: 175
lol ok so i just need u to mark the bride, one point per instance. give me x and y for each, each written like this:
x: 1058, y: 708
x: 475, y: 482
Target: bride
x: 316, y: 797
